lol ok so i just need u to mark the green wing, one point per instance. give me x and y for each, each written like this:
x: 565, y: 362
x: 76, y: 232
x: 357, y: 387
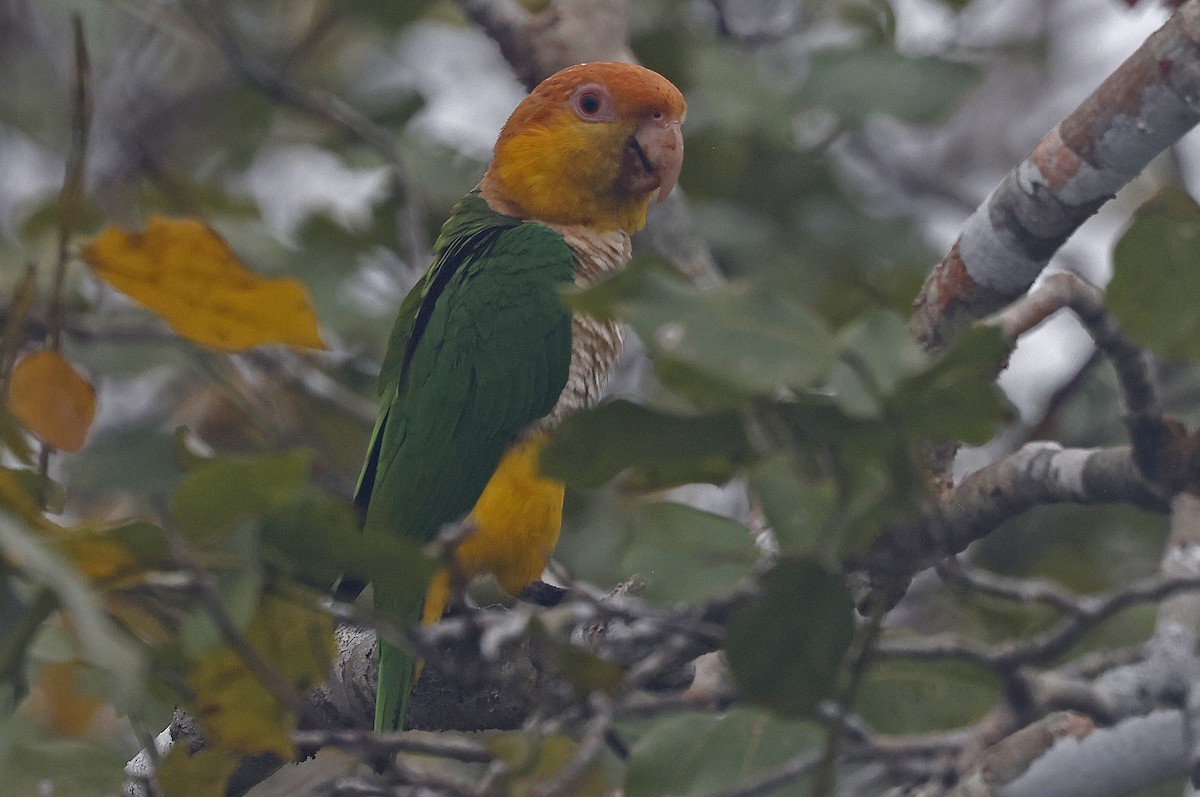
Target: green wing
x: 481, y: 349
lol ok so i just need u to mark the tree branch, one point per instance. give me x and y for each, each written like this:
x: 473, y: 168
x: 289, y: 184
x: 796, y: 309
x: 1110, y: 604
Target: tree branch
x: 1011, y: 757
x: 1039, y: 473
x: 1145, y: 106
x: 324, y: 105
x: 1066, y: 290
x: 1085, y: 613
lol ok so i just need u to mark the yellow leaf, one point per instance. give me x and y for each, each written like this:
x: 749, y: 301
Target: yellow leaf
x: 97, y: 556
x: 238, y: 712
x: 152, y: 620
x: 241, y: 714
x: 58, y: 703
x: 109, y: 554
x: 532, y: 759
x: 52, y: 399
x: 201, y: 775
x: 185, y: 272
x: 297, y: 640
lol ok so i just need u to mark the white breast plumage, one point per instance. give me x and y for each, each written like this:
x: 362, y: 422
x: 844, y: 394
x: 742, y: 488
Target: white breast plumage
x: 595, y: 345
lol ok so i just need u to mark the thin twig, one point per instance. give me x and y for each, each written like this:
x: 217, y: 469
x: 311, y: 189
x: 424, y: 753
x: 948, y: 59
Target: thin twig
x: 788, y: 772
x: 640, y: 705
x: 15, y: 321
x: 1067, y: 290
x: 297, y: 371
x: 373, y: 744
x: 72, y: 190
x: 70, y: 197
x: 591, y: 743
x: 1037, y: 474
x: 327, y: 106
x: 267, y: 675
x: 1021, y: 590
x: 1086, y: 613
x: 850, y: 674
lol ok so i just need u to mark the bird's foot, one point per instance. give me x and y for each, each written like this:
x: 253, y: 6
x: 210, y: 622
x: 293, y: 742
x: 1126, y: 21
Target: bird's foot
x: 542, y: 594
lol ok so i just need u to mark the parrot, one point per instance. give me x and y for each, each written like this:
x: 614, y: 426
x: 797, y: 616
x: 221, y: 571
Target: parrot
x: 485, y: 359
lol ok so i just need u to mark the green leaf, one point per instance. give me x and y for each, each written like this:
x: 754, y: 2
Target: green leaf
x: 785, y: 649
x: 685, y: 554
x: 728, y: 92
x: 882, y: 373
x: 239, y: 576
x: 797, y: 510
x: 872, y: 496
x: 957, y: 398
x: 856, y: 83
x: 900, y: 696
x: 664, y: 450
x: 144, y: 540
x: 135, y: 462
x: 33, y: 765
x: 38, y: 487
x: 216, y: 495
x: 871, y: 465
x: 530, y: 759
x: 744, y: 337
x: 317, y: 540
x: 12, y: 436
x: 313, y: 539
x: 103, y: 643
x: 878, y: 342
x: 702, y: 754
x: 1156, y: 276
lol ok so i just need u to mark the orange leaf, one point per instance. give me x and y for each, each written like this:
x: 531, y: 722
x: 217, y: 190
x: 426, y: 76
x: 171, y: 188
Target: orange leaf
x: 96, y: 555
x: 185, y: 272
x: 59, y: 703
x: 52, y: 399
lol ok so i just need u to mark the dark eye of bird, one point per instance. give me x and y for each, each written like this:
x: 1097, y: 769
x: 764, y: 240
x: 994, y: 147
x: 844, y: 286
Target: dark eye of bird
x: 589, y: 103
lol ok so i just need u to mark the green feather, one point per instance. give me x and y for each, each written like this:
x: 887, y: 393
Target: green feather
x: 480, y: 350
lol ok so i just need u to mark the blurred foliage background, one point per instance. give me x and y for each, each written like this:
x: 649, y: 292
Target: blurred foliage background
x: 833, y: 148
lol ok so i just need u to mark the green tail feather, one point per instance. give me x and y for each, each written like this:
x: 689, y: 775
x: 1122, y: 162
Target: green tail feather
x: 396, y: 669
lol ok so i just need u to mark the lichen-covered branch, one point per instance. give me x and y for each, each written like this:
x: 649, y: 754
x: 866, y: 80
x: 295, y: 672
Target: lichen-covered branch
x: 1012, y: 756
x: 1137, y: 112
x: 1040, y: 473
x: 1066, y: 290
x: 567, y: 32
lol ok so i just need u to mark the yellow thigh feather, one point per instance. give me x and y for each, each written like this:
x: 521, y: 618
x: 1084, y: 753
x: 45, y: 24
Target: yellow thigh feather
x: 517, y: 520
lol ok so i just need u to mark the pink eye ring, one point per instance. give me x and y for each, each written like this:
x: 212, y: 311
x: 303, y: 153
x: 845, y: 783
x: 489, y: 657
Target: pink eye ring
x: 592, y: 102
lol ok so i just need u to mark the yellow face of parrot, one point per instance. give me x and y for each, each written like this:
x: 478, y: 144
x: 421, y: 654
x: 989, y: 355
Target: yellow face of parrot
x: 591, y: 146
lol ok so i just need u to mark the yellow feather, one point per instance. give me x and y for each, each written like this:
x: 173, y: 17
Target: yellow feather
x: 560, y: 171
x: 517, y: 521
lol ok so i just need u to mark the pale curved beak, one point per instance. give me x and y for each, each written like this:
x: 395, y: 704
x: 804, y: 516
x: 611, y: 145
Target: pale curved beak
x: 661, y: 143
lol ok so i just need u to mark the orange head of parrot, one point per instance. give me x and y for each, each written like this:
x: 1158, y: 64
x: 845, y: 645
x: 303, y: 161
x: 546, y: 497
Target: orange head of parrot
x: 592, y: 145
